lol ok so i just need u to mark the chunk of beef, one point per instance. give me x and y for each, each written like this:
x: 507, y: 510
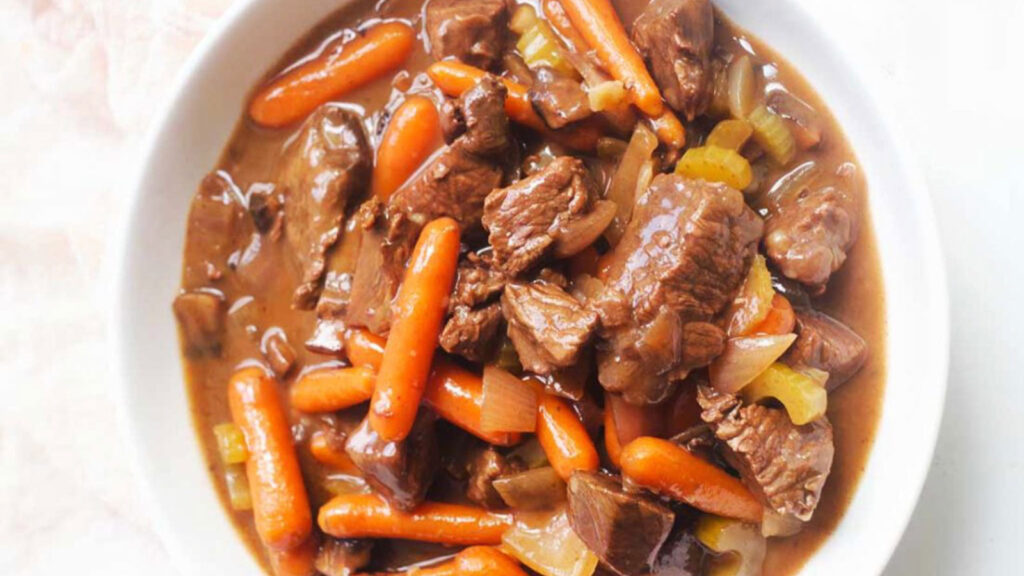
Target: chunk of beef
x: 342, y: 557
x: 827, y: 344
x: 486, y: 466
x: 548, y: 212
x: 681, y: 260
x: 460, y: 176
x: 548, y: 327
x: 784, y: 464
x: 808, y: 234
x: 332, y: 307
x: 676, y: 38
x: 278, y: 352
x: 477, y: 282
x: 327, y: 165
x: 470, y: 332
x: 473, y: 31
x: 401, y: 472
x: 560, y: 100
x: 201, y: 320
x: 625, y: 530
x: 213, y: 223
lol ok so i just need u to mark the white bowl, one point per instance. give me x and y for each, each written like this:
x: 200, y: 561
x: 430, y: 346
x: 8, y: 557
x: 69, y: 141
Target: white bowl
x: 187, y: 141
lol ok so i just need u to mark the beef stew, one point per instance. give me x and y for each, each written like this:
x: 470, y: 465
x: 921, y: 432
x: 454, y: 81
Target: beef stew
x: 591, y: 280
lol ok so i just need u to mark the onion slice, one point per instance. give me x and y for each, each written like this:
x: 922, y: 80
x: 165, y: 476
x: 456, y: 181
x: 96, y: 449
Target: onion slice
x: 744, y: 359
x: 537, y: 489
x: 509, y: 404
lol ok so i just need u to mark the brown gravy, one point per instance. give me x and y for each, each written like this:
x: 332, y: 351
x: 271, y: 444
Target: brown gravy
x: 855, y: 293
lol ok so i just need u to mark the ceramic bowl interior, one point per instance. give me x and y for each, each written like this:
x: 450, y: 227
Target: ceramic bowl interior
x: 187, y: 140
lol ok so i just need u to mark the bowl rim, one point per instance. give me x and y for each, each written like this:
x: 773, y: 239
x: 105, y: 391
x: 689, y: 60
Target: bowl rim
x: 934, y: 264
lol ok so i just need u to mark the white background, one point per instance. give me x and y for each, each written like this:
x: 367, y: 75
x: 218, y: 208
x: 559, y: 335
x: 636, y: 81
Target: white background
x: 80, y: 80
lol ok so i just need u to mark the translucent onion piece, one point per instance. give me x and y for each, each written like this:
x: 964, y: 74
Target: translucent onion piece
x: 777, y: 525
x: 727, y: 536
x: 742, y: 87
x: 547, y: 544
x: 744, y: 359
x: 804, y: 398
x: 754, y: 302
x: 509, y: 404
x: 622, y: 190
x: 523, y: 19
x: 536, y: 489
x: 230, y: 443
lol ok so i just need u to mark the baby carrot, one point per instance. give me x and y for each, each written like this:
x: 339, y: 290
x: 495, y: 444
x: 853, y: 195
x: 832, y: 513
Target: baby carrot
x: 600, y: 26
x: 454, y: 78
x: 669, y: 470
x: 364, y: 348
x: 420, y: 308
x: 472, y: 561
x: 332, y: 389
x: 279, y: 502
x: 669, y: 129
x: 611, y: 437
x: 298, y: 561
x: 564, y: 438
x: 370, y: 516
x: 331, y: 453
x: 457, y: 395
x: 780, y: 320
x: 293, y: 96
x: 412, y: 134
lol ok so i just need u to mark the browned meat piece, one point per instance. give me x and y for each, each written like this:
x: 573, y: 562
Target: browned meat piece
x: 676, y: 38
x: 548, y: 327
x: 460, y: 176
x: 827, y: 344
x: 680, y: 262
x: 477, y: 282
x: 327, y: 165
x: 551, y: 211
x: 379, y: 267
x: 784, y: 464
x: 342, y: 557
x: 213, y: 221
x: 680, y: 555
x: 808, y: 235
x: 201, y: 321
x: 625, y: 530
x: 560, y: 100
x: 486, y: 466
x: 473, y: 31
x: 470, y: 332
x: 401, y: 472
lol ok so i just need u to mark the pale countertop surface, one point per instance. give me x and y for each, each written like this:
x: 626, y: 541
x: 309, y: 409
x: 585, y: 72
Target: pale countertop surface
x: 83, y: 78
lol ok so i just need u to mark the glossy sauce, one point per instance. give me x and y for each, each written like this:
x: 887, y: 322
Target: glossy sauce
x: 855, y: 294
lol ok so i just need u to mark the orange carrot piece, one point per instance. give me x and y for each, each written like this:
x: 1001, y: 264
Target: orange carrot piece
x: 457, y: 395
x: 421, y: 306
x: 299, y: 561
x: 364, y: 348
x: 454, y: 78
x: 331, y: 454
x: 291, y: 97
x: 669, y: 129
x: 370, y: 516
x: 600, y: 26
x: 669, y: 470
x: 781, y: 318
x: 413, y: 133
x: 332, y: 389
x: 279, y: 501
x: 472, y: 561
x: 611, y: 437
x: 564, y: 438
